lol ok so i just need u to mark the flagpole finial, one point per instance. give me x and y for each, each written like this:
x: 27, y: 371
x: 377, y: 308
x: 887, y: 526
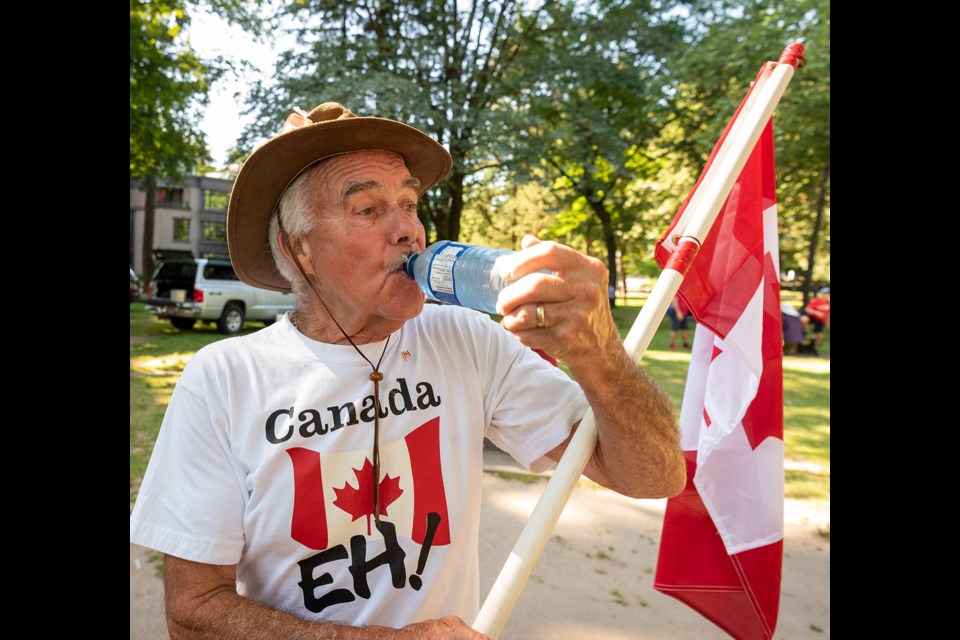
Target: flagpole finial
x: 793, y: 55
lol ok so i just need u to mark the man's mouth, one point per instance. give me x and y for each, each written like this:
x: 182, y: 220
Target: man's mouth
x: 399, y: 264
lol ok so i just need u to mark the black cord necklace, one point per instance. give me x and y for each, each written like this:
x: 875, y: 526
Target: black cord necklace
x: 376, y: 376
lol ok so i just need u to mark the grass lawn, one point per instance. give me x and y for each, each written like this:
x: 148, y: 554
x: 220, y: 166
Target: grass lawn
x: 158, y: 352
x: 806, y: 400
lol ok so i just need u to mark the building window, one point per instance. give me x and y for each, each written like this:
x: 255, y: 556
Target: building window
x: 215, y: 200
x: 170, y: 197
x: 214, y: 231
x: 181, y: 229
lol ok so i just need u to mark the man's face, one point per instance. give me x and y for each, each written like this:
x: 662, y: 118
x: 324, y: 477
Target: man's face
x: 367, y: 224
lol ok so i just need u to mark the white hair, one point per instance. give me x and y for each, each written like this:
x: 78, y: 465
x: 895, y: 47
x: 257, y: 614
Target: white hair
x: 294, y: 208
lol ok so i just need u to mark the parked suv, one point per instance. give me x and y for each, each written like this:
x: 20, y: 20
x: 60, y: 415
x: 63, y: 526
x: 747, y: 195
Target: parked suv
x: 135, y: 287
x: 208, y: 289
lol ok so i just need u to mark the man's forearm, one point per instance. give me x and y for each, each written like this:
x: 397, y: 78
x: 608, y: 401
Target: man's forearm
x: 638, y: 450
x: 225, y: 616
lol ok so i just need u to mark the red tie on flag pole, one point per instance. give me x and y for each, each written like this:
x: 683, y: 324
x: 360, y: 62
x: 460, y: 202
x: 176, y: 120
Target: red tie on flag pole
x: 685, y: 238
x: 721, y: 550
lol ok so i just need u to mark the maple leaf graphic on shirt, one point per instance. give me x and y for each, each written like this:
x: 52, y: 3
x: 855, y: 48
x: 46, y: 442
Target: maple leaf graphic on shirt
x: 358, y: 502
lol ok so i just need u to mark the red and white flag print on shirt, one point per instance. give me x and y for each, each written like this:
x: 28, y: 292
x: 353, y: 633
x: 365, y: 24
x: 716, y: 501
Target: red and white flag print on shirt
x: 334, y: 490
x: 721, y: 550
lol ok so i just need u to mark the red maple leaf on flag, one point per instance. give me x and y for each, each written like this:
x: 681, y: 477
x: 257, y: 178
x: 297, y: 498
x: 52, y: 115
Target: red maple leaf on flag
x: 358, y: 502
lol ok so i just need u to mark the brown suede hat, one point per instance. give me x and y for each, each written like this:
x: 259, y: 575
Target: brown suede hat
x: 329, y: 130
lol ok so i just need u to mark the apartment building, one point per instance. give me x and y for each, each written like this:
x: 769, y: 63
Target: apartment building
x: 190, y: 220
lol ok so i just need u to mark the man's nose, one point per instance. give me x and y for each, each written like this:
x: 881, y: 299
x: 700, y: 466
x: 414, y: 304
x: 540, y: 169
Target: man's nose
x: 406, y: 227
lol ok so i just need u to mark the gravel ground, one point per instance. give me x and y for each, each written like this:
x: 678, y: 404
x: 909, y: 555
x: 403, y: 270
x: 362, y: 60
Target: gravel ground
x: 595, y: 577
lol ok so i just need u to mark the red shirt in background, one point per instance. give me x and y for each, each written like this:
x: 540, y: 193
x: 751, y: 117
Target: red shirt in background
x: 819, y: 309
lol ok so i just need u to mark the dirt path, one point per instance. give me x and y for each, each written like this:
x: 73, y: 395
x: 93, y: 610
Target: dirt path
x: 594, y: 579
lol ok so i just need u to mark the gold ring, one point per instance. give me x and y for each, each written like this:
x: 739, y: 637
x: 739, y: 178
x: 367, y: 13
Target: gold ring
x: 541, y: 320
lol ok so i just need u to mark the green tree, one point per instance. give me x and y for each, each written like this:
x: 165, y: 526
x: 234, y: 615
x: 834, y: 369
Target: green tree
x: 727, y: 44
x: 169, y: 85
x: 439, y: 66
x: 589, y: 91
x: 500, y: 212
x: 658, y: 194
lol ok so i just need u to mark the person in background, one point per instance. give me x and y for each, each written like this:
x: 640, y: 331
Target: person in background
x: 321, y: 477
x: 679, y: 322
x: 817, y: 315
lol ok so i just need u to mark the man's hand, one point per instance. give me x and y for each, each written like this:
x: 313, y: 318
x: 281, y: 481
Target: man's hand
x: 638, y: 450
x: 577, y: 324
x: 448, y: 628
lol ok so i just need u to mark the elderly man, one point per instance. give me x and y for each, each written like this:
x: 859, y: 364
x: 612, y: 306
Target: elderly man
x: 321, y: 477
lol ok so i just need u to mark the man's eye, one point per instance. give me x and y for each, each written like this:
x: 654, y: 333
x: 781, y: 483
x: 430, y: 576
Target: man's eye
x: 411, y: 208
x: 369, y: 211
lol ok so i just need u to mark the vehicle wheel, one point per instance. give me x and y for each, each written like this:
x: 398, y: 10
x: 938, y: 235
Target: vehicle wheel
x: 231, y: 321
x: 183, y: 323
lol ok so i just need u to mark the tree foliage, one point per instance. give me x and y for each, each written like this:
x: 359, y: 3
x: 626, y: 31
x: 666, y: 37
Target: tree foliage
x: 168, y: 85
x: 500, y: 212
x: 727, y: 44
x: 589, y: 93
x: 439, y: 66
x: 588, y: 121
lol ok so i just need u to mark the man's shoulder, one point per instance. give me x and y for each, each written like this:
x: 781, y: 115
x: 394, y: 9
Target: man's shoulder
x: 228, y: 349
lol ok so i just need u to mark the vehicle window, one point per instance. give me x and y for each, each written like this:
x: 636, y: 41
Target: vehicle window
x: 178, y: 269
x: 219, y: 272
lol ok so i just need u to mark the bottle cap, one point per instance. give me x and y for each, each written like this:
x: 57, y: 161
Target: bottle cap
x: 408, y: 266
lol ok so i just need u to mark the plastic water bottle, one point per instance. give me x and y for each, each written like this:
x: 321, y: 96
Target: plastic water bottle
x: 461, y: 274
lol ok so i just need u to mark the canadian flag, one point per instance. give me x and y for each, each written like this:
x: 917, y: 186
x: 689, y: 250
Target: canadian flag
x: 334, y: 490
x: 721, y: 550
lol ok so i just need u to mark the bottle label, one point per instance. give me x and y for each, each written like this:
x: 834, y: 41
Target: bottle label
x: 442, y: 286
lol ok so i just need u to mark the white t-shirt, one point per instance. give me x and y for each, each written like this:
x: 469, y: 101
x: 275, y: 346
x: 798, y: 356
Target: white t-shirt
x: 264, y: 460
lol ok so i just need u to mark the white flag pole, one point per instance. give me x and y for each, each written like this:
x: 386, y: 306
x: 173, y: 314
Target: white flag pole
x: 696, y: 222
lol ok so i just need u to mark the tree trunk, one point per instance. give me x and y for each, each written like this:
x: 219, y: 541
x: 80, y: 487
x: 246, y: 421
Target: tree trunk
x: 622, y: 272
x: 443, y: 212
x: 456, y: 206
x: 609, y: 240
x: 815, y: 235
x: 149, y: 215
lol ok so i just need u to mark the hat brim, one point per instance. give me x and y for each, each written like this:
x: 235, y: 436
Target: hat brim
x: 273, y: 166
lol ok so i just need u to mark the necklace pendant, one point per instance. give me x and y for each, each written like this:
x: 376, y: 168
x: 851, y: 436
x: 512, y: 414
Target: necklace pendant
x: 376, y: 376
